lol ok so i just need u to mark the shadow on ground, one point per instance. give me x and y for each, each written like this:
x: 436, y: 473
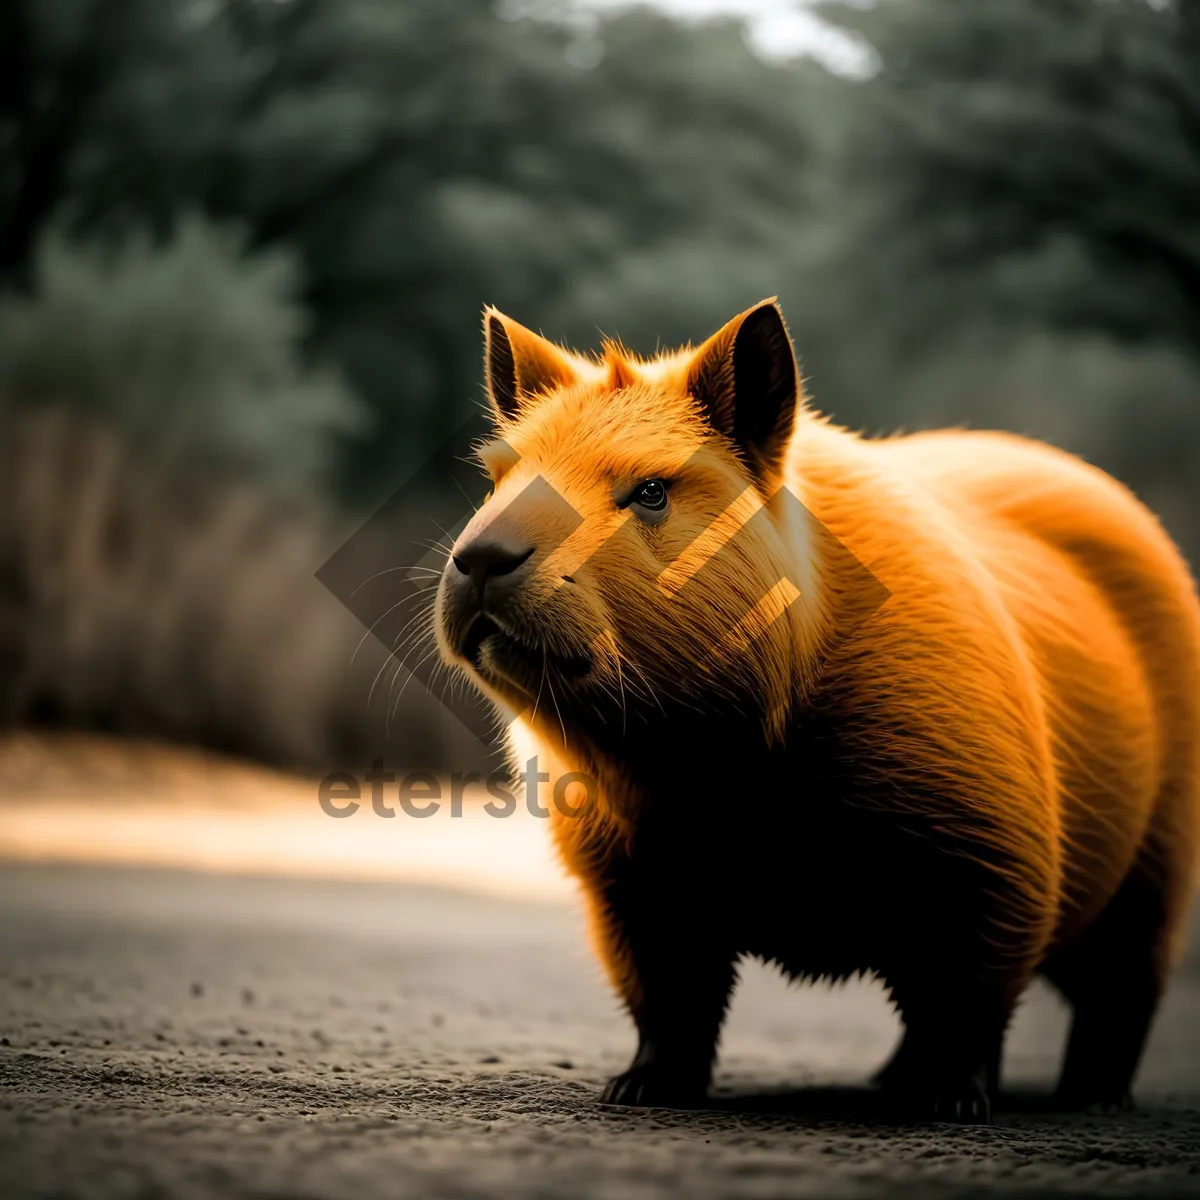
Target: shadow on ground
x: 175, y: 1035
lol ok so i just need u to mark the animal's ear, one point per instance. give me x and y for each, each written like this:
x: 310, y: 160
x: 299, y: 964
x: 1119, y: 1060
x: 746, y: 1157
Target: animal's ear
x: 518, y: 362
x: 747, y: 384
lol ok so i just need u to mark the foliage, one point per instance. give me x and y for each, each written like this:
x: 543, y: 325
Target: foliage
x: 1053, y: 147
x: 1019, y: 242
x: 422, y: 159
x: 189, y: 348
x: 998, y: 227
x: 144, y: 600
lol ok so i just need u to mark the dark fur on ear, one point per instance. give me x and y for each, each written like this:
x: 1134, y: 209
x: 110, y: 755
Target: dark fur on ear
x: 499, y: 367
x: 747, y: 384
x: 519, y: 363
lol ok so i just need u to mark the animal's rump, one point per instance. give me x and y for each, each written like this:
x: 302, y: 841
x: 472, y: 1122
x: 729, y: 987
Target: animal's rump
x: 1109, y: 616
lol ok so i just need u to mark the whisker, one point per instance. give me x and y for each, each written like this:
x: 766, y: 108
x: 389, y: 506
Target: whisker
x: 649, y: 687
x: 445, y: 530
x: 621, y: 684
x: 419, y: 626
x: 426, y: 613
x: 538, y: 698
x: 474, y: 506
x: 383, y: 666
x: 420, y: 592
x: 411, y: 673
x: 392, y: 571
x: 561, y: 723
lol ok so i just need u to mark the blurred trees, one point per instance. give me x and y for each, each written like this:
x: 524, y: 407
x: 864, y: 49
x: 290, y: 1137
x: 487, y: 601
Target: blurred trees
x: 1037, y: 160
x: 190, y: 348
x: 421, y: 159
x: 998, y: 226
x: 142, y: 600
x: 257, y: 234
x: 1020, y: 243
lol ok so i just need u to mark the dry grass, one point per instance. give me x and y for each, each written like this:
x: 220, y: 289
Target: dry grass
x: 138, y: 601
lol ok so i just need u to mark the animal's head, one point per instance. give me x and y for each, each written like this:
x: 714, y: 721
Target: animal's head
x: 628, y: 555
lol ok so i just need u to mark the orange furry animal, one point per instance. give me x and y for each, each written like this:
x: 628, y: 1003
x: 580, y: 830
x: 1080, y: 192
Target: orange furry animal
x: 994, y: 773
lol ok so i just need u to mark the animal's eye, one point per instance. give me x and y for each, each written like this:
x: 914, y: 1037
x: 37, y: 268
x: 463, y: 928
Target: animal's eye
x: 651, y: 495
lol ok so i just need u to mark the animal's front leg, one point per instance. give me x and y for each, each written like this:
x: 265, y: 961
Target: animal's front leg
x: 948, y: 1066
x: 675, y: 970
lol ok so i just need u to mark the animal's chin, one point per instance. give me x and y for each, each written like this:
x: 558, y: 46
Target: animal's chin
x: 499, y: 654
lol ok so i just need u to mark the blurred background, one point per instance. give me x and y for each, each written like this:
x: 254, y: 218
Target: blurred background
x: 244, y: 248
x: 244, y: 245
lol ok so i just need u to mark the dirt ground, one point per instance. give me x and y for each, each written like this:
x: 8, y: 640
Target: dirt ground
x: 174, y: 1035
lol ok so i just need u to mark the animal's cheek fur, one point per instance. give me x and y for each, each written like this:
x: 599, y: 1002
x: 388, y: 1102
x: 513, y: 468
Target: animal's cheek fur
x: 564, y: 614
x: 723, y: 609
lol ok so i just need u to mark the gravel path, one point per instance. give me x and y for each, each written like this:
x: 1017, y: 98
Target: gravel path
x: 171, y: 1035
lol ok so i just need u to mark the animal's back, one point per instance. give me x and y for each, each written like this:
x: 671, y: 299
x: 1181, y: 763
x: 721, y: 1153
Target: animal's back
x: 1109, y: 614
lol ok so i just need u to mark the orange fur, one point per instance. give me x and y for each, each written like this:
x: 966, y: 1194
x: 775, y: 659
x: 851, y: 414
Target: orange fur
x: 995, y: 774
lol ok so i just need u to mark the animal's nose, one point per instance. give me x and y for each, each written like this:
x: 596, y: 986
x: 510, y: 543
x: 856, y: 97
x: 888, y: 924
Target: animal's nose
x: 489, y: 557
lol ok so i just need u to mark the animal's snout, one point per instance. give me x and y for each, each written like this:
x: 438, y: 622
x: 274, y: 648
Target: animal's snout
x: 493, y: 559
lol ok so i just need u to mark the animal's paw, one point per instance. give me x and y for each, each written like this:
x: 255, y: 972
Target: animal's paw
x: 968, y: 1105
x: 651, y: 1086
x: 965, y: 1102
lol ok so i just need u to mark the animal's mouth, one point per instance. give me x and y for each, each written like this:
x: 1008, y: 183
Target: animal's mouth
x: 492, y: 648
x: 482, y: 628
